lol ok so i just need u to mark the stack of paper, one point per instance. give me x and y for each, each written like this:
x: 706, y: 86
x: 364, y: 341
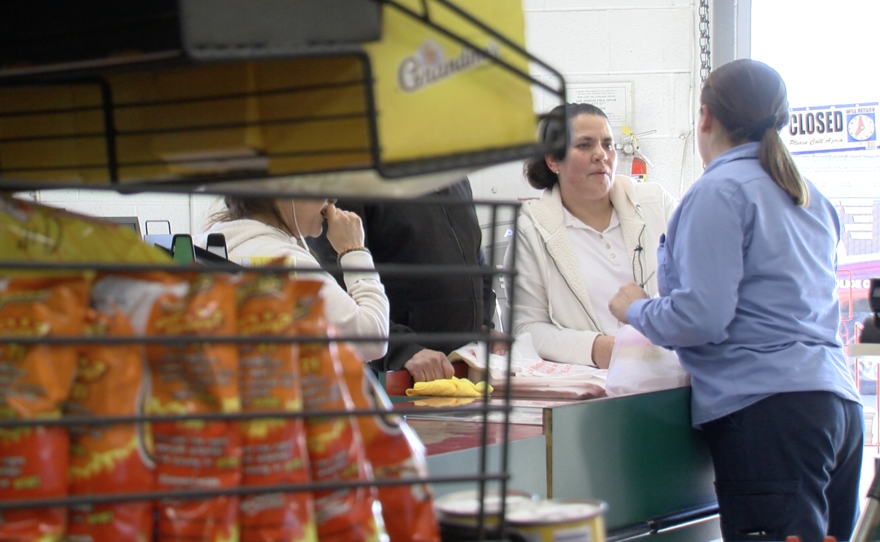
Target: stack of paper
x: 531, y: 376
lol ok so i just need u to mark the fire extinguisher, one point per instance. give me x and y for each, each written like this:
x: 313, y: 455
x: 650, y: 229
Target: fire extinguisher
x: 639, y: 169
x: 630, y: 147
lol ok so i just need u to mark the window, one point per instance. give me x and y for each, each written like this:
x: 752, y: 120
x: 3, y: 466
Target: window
x: 822, y: 52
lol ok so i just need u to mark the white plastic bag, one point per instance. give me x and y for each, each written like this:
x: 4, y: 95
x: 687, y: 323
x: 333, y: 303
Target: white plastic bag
x: 637, y: 366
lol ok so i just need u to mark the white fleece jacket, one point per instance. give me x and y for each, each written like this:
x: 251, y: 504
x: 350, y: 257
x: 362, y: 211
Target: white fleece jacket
x: 360, y: 311
x: 551, y: 299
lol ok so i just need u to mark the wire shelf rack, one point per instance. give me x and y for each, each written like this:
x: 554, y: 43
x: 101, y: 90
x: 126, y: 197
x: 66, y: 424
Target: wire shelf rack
x: 201, y: 111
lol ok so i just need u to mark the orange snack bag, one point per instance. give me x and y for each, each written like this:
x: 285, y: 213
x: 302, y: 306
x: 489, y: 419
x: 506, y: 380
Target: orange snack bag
x: 34, y: 380
x: 109, y: 459
x: 336, y: 450
x: 274, y: 449
x: 395, y: 453
x: 196, y: 378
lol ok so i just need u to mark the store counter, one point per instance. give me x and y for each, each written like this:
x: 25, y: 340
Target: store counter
x: 453, y: 448
x: 637, y: 453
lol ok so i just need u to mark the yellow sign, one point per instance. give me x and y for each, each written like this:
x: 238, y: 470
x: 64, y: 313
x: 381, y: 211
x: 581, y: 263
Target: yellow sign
x: 436, y: 96
x: 416, y: 94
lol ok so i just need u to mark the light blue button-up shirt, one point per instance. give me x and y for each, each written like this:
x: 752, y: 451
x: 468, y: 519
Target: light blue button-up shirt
x: 748, y: 290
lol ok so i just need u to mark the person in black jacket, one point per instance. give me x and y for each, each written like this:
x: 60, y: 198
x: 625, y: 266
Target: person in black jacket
x: 446, y: 233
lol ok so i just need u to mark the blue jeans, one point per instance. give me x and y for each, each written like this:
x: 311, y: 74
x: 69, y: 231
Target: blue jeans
x: 788, y: 465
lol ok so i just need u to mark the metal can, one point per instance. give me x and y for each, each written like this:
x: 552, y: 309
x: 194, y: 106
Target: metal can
x: 559, y: 520
x: 463, y: 507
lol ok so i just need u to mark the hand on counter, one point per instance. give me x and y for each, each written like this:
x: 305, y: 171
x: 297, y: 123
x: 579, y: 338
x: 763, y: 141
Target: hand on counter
x: 496, y: 347
x: 428, y: 365
x: 624, y: 297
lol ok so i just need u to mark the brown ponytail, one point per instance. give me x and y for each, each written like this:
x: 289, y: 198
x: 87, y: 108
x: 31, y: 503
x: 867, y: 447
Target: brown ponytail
x: 255, y: 208
x: 749, y: 100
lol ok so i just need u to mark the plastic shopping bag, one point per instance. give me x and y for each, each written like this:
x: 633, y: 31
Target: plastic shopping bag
x: 637, y: 366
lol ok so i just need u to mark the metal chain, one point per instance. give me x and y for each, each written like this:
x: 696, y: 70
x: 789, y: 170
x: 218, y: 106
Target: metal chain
x: 705, y: 50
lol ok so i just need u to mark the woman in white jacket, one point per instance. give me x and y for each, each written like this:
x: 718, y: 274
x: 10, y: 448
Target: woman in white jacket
x: 258, y: 230
x: 591, y: 231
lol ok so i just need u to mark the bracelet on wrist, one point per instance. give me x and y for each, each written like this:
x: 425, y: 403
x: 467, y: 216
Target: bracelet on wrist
x: 351, y: 249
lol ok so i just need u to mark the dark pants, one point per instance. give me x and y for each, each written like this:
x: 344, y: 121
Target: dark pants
x: 788, y: 465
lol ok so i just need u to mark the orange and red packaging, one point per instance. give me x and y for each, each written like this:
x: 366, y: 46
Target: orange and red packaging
x: 394, y: 452
x: 109, y: 459
x: 34, y: 381
x: 274, y: 449
x: 197, y: 377
x: 194, y: 377
x: 336, y: 452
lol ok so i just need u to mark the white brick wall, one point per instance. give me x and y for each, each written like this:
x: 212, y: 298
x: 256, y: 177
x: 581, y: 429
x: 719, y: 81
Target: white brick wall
x: 185, y: 213
x: 650, y: 44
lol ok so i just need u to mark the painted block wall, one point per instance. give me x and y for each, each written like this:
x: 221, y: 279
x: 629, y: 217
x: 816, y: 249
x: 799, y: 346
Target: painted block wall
x: 184, y: 213
x: 650, y: 44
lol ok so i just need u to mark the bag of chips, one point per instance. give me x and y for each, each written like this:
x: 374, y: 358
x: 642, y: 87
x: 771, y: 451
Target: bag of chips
x: 187, y: 377
x: 394, y: 452
x: 33, y: 232
x: 336, y: 452
x: 274, y: 449
x: 198, y: 377
x: 34, y: 381
x: 109, y: 459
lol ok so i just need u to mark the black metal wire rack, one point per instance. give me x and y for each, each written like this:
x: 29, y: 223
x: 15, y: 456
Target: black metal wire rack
x: 78, y: 120
x: 485, y: 478
x: 81, y: 120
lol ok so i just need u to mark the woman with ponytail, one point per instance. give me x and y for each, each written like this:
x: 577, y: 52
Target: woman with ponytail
x: 260, y: 230
x: 747, y: 278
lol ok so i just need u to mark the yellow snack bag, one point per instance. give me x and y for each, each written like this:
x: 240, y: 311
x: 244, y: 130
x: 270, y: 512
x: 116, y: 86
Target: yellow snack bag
x: 37, y: 233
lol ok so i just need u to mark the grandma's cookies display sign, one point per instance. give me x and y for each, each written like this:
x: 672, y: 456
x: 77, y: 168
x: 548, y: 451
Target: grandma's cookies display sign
x: 833, y: 128
x: 437, y: 96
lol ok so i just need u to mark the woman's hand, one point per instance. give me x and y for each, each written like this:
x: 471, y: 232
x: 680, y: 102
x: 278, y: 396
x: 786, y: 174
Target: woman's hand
x: 624, y: 297
x: 427, y: 365
x: 602, y: 347
x: 344, y: 229
x: 496, y: 347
